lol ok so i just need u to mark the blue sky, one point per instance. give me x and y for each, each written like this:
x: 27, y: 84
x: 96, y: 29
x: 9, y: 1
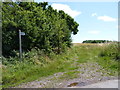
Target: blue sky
x: 97, y: 20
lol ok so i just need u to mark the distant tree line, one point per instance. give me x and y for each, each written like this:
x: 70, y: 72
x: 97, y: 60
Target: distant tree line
x: 46, y: 29
x: 96, y: 41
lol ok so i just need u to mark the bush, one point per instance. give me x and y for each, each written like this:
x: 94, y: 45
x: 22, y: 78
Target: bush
x: 35, y: 56
x: 45, y: 28
x: 111, y: 50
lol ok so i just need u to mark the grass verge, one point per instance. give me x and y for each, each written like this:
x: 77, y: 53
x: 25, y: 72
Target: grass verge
x: 36, y: 64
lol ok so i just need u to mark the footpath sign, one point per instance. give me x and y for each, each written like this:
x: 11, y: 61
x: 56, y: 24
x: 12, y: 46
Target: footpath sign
x: 20, y: 44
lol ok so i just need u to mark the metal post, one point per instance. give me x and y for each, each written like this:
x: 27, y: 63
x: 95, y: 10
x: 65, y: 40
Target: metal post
x: 20, y: 46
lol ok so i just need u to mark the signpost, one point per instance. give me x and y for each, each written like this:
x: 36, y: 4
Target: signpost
x: 20, y: 44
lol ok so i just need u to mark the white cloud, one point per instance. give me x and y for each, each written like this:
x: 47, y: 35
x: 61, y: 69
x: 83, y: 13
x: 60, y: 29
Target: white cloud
x: 94, y: 14
x: 94, y: 32
x: 106, y: 18
x: 66, y: 9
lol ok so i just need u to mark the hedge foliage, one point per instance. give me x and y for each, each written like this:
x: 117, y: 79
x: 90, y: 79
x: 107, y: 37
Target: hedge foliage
x: 47, y: 29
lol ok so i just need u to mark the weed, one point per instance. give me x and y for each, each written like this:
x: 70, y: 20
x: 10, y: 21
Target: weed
x: 35, y: 64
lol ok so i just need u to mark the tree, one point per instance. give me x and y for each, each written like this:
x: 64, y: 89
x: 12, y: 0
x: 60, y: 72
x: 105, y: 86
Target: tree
x: 45, y: 28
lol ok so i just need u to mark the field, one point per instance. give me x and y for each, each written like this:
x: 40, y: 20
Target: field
x: 83, y: 44
x: 80, y: 60
x: 90, y: 44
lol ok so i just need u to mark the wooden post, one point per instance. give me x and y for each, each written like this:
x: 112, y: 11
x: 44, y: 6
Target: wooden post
x: 20, y: 46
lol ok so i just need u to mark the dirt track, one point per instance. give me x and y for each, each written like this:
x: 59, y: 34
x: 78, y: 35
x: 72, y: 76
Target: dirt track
x: 89, y: 73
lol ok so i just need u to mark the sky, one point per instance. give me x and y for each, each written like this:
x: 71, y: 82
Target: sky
x: 97, y: 20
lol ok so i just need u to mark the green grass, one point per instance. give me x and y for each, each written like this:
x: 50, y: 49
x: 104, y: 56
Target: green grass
x: 31, y: 72
x: 70, y: 75
x: 109, y: 58
x: 36, y: 64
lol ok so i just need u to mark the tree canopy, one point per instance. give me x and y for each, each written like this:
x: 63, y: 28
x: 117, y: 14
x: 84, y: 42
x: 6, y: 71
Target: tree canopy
x: 45, y: 28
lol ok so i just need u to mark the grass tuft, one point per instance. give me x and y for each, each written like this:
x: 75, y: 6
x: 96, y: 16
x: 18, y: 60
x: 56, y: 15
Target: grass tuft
x: 35, y: 64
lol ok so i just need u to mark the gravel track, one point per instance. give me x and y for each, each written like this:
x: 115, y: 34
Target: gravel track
x: 88, y: 73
